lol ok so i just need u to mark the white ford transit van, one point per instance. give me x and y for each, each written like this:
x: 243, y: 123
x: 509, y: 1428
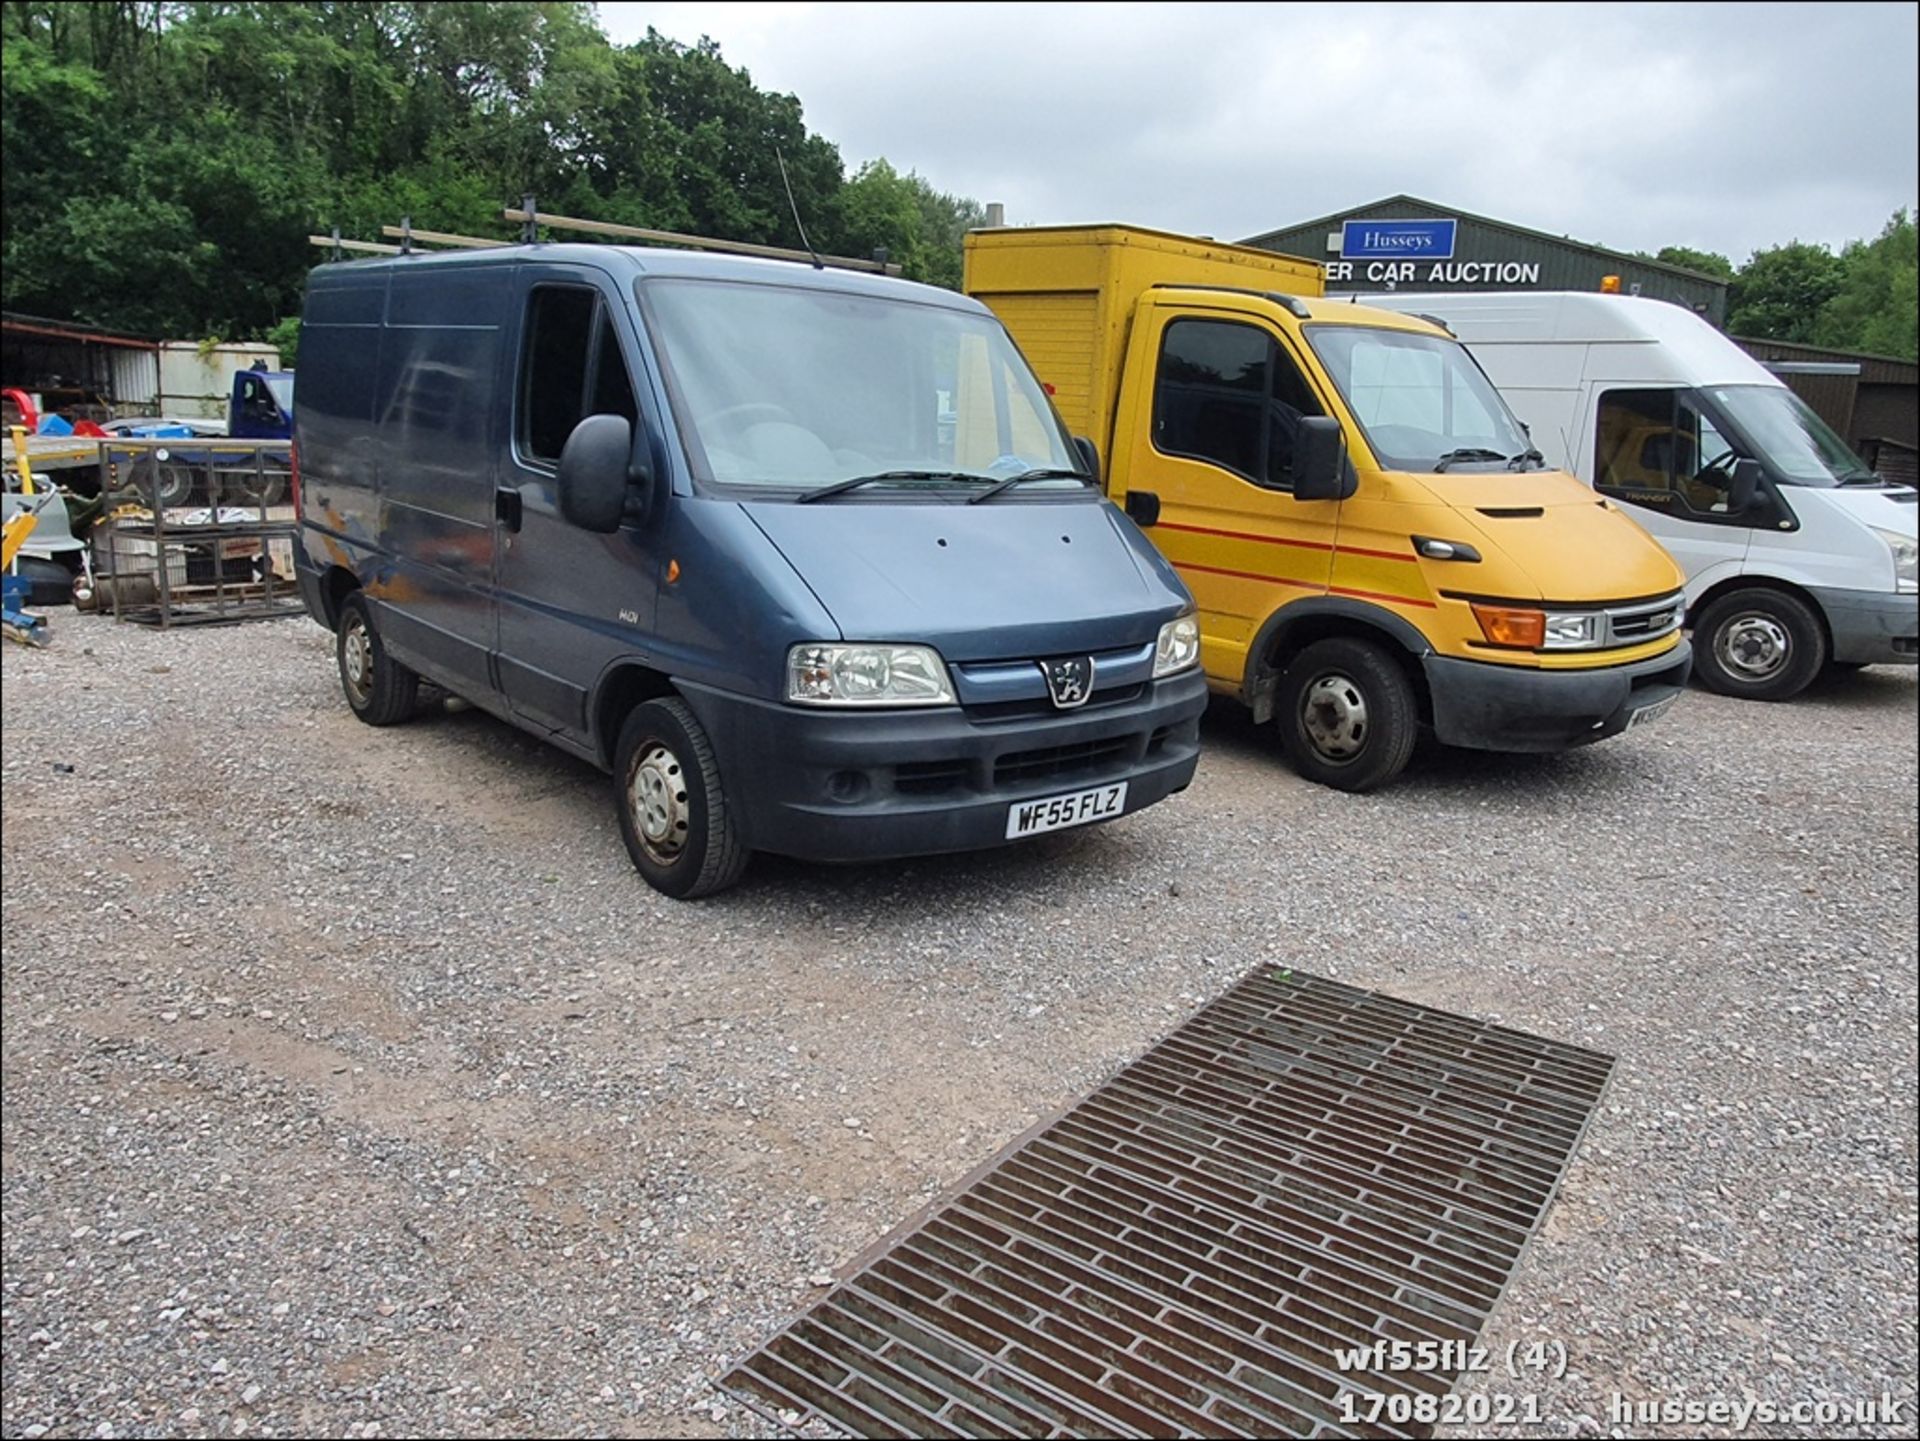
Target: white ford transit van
x: 1797, y: 556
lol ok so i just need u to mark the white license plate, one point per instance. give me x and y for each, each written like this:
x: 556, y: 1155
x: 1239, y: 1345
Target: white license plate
x: 1056, y: 813
x: 1651, y: 712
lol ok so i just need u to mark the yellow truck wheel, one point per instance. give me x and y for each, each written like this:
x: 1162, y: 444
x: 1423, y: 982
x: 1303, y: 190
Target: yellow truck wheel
x: 1347, y: 714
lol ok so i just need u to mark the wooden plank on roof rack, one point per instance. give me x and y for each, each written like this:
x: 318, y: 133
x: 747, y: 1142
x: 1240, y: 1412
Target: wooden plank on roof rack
x: 695, y: 242
x: 440, y: 237
x: 327, y: 242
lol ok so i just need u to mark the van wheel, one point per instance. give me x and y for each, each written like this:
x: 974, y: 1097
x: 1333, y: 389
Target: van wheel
x: 1758, y: 644
x: 1347, y: 714
x: 380, y: 690
x: 673, y: 812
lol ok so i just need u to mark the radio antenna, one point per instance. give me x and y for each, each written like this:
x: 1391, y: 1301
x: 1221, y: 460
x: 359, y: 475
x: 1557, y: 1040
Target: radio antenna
x: 794, y: 206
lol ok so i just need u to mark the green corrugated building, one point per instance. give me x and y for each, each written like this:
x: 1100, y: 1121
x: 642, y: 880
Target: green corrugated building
x: 1402, y: 243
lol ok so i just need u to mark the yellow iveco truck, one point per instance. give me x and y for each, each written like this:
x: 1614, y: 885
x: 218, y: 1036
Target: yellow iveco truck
x: 1372, y: 541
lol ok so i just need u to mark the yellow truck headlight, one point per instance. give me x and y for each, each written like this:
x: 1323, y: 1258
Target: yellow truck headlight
x: 1574, y: 630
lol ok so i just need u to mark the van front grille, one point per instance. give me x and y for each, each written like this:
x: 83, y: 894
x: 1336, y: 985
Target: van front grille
x: 1042, y: 706
x: 929, y: 778
x: 1050, y: 762
x: 1629, y: 625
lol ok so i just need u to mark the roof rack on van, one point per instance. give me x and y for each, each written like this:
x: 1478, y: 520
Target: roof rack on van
x: 529, y: 217
x: 1291, y: 303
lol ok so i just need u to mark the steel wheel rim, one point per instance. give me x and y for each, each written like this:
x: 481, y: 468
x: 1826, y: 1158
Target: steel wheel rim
x: 657, y: 798
x: 1753, y: 646
x: 1333, y: 712
x: 356, y: 660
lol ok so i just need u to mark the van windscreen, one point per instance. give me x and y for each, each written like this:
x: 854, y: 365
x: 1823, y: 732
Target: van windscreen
x: 1422, y: 402
x: 1798, y: 446
x: 784, y: 388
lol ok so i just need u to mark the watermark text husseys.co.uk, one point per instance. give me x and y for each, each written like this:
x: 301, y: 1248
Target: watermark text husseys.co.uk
x: 1882, y: 1410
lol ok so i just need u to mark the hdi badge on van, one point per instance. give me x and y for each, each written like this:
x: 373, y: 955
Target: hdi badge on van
x: 804, y: 558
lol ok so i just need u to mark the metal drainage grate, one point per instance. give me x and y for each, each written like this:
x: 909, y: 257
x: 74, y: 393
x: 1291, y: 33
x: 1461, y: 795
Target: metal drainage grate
x: 1302, y: 1169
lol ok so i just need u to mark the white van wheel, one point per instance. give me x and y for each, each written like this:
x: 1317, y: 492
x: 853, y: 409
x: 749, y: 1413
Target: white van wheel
x: 1758, y: 644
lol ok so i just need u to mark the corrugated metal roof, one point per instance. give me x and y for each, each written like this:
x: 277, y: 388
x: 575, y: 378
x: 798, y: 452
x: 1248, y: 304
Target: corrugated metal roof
x: 1445, y: 211
x: 1874, y: 369
x: 63, y: 330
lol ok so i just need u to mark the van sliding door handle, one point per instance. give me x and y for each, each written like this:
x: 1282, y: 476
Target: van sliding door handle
x: 506, y: 506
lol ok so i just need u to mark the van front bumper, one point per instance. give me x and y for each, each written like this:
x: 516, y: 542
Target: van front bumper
x: 1482, y: 706
x: 837, y: 785
x: 1871, y: 627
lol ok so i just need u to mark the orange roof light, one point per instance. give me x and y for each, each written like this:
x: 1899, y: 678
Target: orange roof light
x: 1609, y: 285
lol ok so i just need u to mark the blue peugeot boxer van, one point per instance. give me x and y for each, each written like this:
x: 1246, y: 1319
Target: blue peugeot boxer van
x: 803, y: 557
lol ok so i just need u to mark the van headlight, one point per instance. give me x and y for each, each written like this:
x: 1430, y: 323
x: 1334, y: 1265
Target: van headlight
x: 1574, y: 630
x: 1906, y: 558
x: 875, y: 675
x: 1178, y: 646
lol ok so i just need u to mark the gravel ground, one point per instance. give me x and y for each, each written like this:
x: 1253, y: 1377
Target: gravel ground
x: 355, y: 1085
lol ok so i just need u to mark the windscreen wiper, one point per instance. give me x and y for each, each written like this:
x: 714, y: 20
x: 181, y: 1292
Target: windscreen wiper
x: 1043, y: 472
x: 841, y: 486
x: 1862, y: 477
x: 1519, y: 462
x: 1471, y: 452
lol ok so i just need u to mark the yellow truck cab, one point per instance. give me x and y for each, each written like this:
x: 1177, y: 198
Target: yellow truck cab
x: 1373, y: 543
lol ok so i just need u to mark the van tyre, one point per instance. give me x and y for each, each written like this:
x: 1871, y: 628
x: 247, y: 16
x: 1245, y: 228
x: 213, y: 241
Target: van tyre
x: 1758, y: 644
x: 1347, y: 714
x: 673, y: 811
x: 379, y: 690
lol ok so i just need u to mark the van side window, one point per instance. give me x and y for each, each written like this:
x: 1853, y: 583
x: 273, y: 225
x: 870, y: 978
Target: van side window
x: 571, y: 367
x: 1658, y: 449
x: 1226, y: 393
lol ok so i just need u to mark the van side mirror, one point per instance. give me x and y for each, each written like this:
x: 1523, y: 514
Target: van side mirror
x: 1143, y: 508
x: 1745, y: 488
x: 1089, y: 457
x: 593, y: 472
x: 1320, y: 469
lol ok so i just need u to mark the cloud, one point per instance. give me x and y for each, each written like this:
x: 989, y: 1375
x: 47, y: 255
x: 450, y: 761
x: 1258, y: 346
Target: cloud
x: 1724, y: 127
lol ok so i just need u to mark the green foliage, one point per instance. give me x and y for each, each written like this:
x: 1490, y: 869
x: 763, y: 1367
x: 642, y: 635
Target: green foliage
x: 1708, y: 261
x: 1865, y: 298
x: 284, y: 336
x: 1877, y: 307
x: 1779, y: 293
x: 164, y: 164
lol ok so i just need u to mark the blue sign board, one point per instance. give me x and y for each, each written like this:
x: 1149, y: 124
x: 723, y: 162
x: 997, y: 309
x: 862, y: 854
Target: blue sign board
x: 1397, y: 239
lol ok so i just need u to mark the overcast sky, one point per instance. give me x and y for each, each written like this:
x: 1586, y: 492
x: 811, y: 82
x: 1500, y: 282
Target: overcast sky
x: 1723, y: 127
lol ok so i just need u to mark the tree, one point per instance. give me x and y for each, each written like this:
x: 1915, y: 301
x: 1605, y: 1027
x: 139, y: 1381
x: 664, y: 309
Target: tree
x: 1779, y: 293
x: 1707, y: 261
x: 1877, y: 307
x: 165, y: 162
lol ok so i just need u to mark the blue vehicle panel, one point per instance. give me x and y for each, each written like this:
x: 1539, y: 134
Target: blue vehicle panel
x: 768, y: 530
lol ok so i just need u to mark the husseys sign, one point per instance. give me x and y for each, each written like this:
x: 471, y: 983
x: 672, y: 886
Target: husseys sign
x: 1417, y: 252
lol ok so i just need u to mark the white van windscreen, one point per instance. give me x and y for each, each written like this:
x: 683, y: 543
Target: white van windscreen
x: 1422, y: 402
x: 791, y: 388
x: 1798, y: 446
